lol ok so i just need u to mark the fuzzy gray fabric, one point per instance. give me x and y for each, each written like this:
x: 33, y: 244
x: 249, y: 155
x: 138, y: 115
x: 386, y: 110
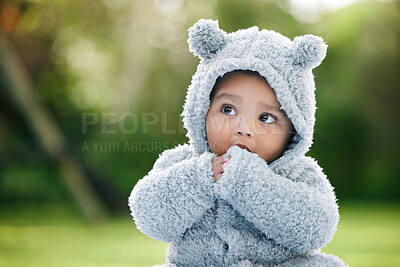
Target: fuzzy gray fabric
x: 257, y: 214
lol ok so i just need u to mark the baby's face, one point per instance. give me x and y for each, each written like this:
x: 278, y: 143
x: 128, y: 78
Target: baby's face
x: 245, y: 111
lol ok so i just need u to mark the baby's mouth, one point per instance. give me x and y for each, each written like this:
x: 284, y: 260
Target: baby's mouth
x: 243, y: 146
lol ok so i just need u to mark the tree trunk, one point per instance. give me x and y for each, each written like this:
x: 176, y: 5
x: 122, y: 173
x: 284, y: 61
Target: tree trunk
x: 20, y: 89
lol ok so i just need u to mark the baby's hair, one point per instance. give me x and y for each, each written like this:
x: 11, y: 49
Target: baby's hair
x: 223, y: 78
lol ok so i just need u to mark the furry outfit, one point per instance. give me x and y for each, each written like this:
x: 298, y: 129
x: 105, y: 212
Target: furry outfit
x: 257, y: 214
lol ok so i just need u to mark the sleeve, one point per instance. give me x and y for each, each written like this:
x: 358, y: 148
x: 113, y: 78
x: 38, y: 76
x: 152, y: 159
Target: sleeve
x: 174, y: 194
x: 298, y: 212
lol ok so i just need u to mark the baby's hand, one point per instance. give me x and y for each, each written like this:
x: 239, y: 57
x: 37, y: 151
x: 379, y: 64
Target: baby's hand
x: 218, y: 165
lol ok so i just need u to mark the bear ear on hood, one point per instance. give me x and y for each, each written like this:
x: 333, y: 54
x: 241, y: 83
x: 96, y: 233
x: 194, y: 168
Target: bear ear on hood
x: 308, y: 50
x: 206, y: 38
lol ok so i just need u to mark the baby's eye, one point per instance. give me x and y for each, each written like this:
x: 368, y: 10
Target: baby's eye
x: 267, y: 118
x: 228, y: 110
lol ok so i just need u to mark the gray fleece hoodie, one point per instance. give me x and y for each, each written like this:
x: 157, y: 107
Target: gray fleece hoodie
x: 256, y: 214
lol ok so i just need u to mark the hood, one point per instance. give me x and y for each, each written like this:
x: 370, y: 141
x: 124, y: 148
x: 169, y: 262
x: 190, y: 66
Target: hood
x: 287, y: 65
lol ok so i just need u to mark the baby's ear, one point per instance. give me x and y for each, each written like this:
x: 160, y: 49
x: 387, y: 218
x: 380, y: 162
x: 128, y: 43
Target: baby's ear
x: 206, y: 38
x: 308, y: 50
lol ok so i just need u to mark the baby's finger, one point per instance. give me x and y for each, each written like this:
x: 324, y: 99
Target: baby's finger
x: 226, y: 157
x: 225, y: 164
x: 219, y: 168
x: 217, y: 159
x: 217, y: 177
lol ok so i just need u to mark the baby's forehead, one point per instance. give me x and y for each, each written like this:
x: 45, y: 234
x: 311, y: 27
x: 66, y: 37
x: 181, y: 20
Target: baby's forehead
x: 237, y: 74
x: 234, y: 76
x: 240, y: 82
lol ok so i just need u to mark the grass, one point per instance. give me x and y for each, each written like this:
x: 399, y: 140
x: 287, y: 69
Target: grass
x: 368, y: 235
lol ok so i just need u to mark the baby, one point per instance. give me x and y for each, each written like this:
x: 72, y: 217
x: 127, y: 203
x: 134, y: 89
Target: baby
x: 242, y: 192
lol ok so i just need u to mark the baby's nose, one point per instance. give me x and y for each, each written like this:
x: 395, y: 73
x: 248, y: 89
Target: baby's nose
x: 244, y: 132
x: 243, y: 128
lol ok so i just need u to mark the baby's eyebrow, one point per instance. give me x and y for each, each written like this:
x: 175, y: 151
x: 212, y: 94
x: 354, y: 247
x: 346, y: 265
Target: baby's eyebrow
x: 229, y: 95
x: 269, y: 107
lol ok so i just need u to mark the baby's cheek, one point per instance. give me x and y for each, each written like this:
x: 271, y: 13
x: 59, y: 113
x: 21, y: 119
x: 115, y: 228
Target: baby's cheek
x: 271, y: 148
x: 220, y: 146
x: 219, y: 143
x: 218, y: 133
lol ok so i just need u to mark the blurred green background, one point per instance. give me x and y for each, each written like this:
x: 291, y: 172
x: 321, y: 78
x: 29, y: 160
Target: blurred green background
x: 92, y: 91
